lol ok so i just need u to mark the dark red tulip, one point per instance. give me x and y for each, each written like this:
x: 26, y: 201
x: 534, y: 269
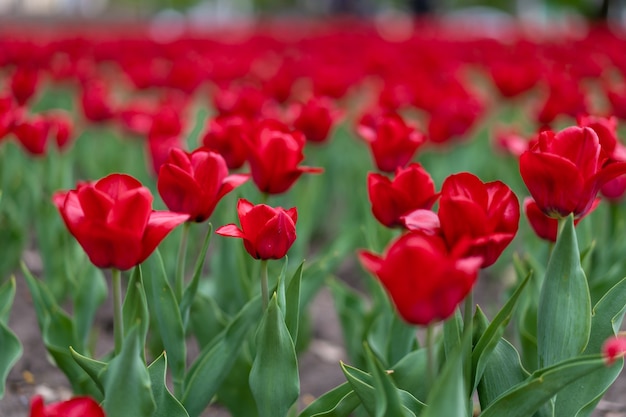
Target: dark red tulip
x: 315, y: 118
x: 267, y: 232
x: 412, y: 188
x: 112, y: 219
x: 193, y: 183
x: 392, y: 141
x: 227, y: 135
x: 425, y: 280
x: 484, y: 214
x: 75, y: 407
x: 565, y: 171
x: 274, y: 154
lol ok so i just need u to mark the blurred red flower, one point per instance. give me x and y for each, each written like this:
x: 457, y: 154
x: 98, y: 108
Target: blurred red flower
x: 75, y: 407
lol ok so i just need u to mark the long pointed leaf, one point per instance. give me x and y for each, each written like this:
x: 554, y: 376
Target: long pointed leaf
x: 166, y: 404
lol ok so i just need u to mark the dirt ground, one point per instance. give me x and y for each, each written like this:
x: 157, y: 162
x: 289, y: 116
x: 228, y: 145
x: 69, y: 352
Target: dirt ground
x: 320, y: 370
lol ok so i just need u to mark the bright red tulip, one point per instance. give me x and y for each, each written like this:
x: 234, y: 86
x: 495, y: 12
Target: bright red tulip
x: 316, y: 118
x: 411, y: 189
x: 32, y: 134
x: 547, y: 227
x: 227, y: 136
x: 75, y: 407
x: 605, y: 128
x: 392, y: 141
x: 274, y: 154
x: 112, y: 219
x: 267, y: 232
x: 424, y: 279
x: 96, y: 103
x: 193, y: 183
x: 485, y: 214
x: 614, y: 348
x: 565, y: 171
x: 24, y: 83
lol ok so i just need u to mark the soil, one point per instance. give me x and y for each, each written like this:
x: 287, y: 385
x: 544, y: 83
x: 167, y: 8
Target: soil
x: 319, y: 366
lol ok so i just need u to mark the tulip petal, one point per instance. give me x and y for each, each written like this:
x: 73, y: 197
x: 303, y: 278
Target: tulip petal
x: 276, y: 237
x: 230, y: 230
x: 115, y: 185
x: 159, y: 225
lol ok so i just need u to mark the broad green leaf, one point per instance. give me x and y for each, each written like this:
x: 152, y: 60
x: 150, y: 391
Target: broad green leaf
x: 579, y: 399
x: 341, y: 401
x: 162, y: 302
x: 503, y: 370
x: 448, y: 395
x: 216, y: 360
x: 10, y: 352
x: 492, y: 334
x: 362, y: 384
x: 565, y: 303
x: 386, y: 394
x: 94, y: 368
x: 234, y: 392
x: 91, y: 292
x: 527, y: 397
x: 166, y: 404
x: 274, y: 377
x: 135, y: 307
x: 207, y: 319
x: 409, y: 373
x: 126, y: 381
x: 292, y: 313
x: 190, y: 291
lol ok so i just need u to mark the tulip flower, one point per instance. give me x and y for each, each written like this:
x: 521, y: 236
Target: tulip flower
x: 316, y: 118
x: 112, y: 219
x: 24, y: 83
x: 614, y: 348
x: 546, y: 227
x: 267, y: 232
x: 274, y: 154
x: 75, y: 407
x: 226, y: 135
x: 193, y: 183
x: 485, y: 214
x: 95, y: 101
x: 411, y: 189
x: 33, y: 135
x: 425, y: 280
x: 565, y: 171
x: 393, y: 142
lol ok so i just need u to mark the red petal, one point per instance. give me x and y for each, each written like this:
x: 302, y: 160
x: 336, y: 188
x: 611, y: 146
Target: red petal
x: 117, y: 184
x: 76, y: 407
x: 230, y: 230
x: 159, y: 225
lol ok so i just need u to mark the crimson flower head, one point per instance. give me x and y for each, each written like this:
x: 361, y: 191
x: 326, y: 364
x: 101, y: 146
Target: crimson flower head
x: 75, y: 407
x: 425, y: 280
x: 193, y: 183
x: 316, y: 118
x: 226, y: 135
x: 274, y: 154
x: 24, y: 83
x: 564, y: 171
x: 547, y: 227
x: 267, y: 232
x: 392, y: 141
x: 112, y: 219
x: 613, y: 349
x: 485, y: 214
x: 32, y: 134
x: 411, y: 189
x: 605, y: 128
x: 95, y: 101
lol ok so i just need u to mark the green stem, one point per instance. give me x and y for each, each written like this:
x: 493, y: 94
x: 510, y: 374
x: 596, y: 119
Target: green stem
x: 430, y: 357
x: 118, y: 323
x: 179, y: 285
x: 264, y: 284
x: 264, y: 198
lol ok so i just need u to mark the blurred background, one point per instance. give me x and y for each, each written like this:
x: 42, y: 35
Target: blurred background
x: 211, y: 11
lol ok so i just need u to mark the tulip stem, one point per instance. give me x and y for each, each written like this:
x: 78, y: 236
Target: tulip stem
x: 430, y: 357
x: 179, y: 285
x: 264, y: 284
x: 118, y: 323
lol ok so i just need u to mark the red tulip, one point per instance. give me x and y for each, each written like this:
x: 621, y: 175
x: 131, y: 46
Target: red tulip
x: 485, y: 214
x: 565, y: 171
x: 393, y: 142
x: 33, y: 134
x: 547, y: 227
x: 411, y: 189
x: 316, y: 118
x: 605, y: 128
x: 95, y: 101
x: 226, y: 135
x: 614, y: 348
x: 112, y: 219
x: 75, y: 407
x: 274, y: 154
x: 193, y: 183
x: 453, y: 117
x: 424, y: 279
x: 24, y: 83
x: 267, y: 232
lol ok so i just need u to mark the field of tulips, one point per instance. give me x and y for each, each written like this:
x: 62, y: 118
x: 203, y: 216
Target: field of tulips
x: 398, y: 167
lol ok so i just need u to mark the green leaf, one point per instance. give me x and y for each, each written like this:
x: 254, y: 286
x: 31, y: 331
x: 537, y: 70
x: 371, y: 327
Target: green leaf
x: 351, y: 311
x: 234, y: 392
x: 216, y: 360
x: 207, y: 319
x: 10, y: 352
x: 166, y: 404
x: 362, y: 384
x: 135, y: 307
x: 452, y: 329
x: 386, y: 394
x: 7, y: 294
x: 492, y: 334
x: 126, y: 381
x: 190, y: 291
x: 526, y: 398
x: 580, y: 398
x: 565, y: 303
x: 409, y: 371
x: 94, y: 368
x: 91, y: 292
x: 162, y: 302
x: 292, y: 313
x: 447, y: 396
x: 341, y: 401
x: 274, y: 377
